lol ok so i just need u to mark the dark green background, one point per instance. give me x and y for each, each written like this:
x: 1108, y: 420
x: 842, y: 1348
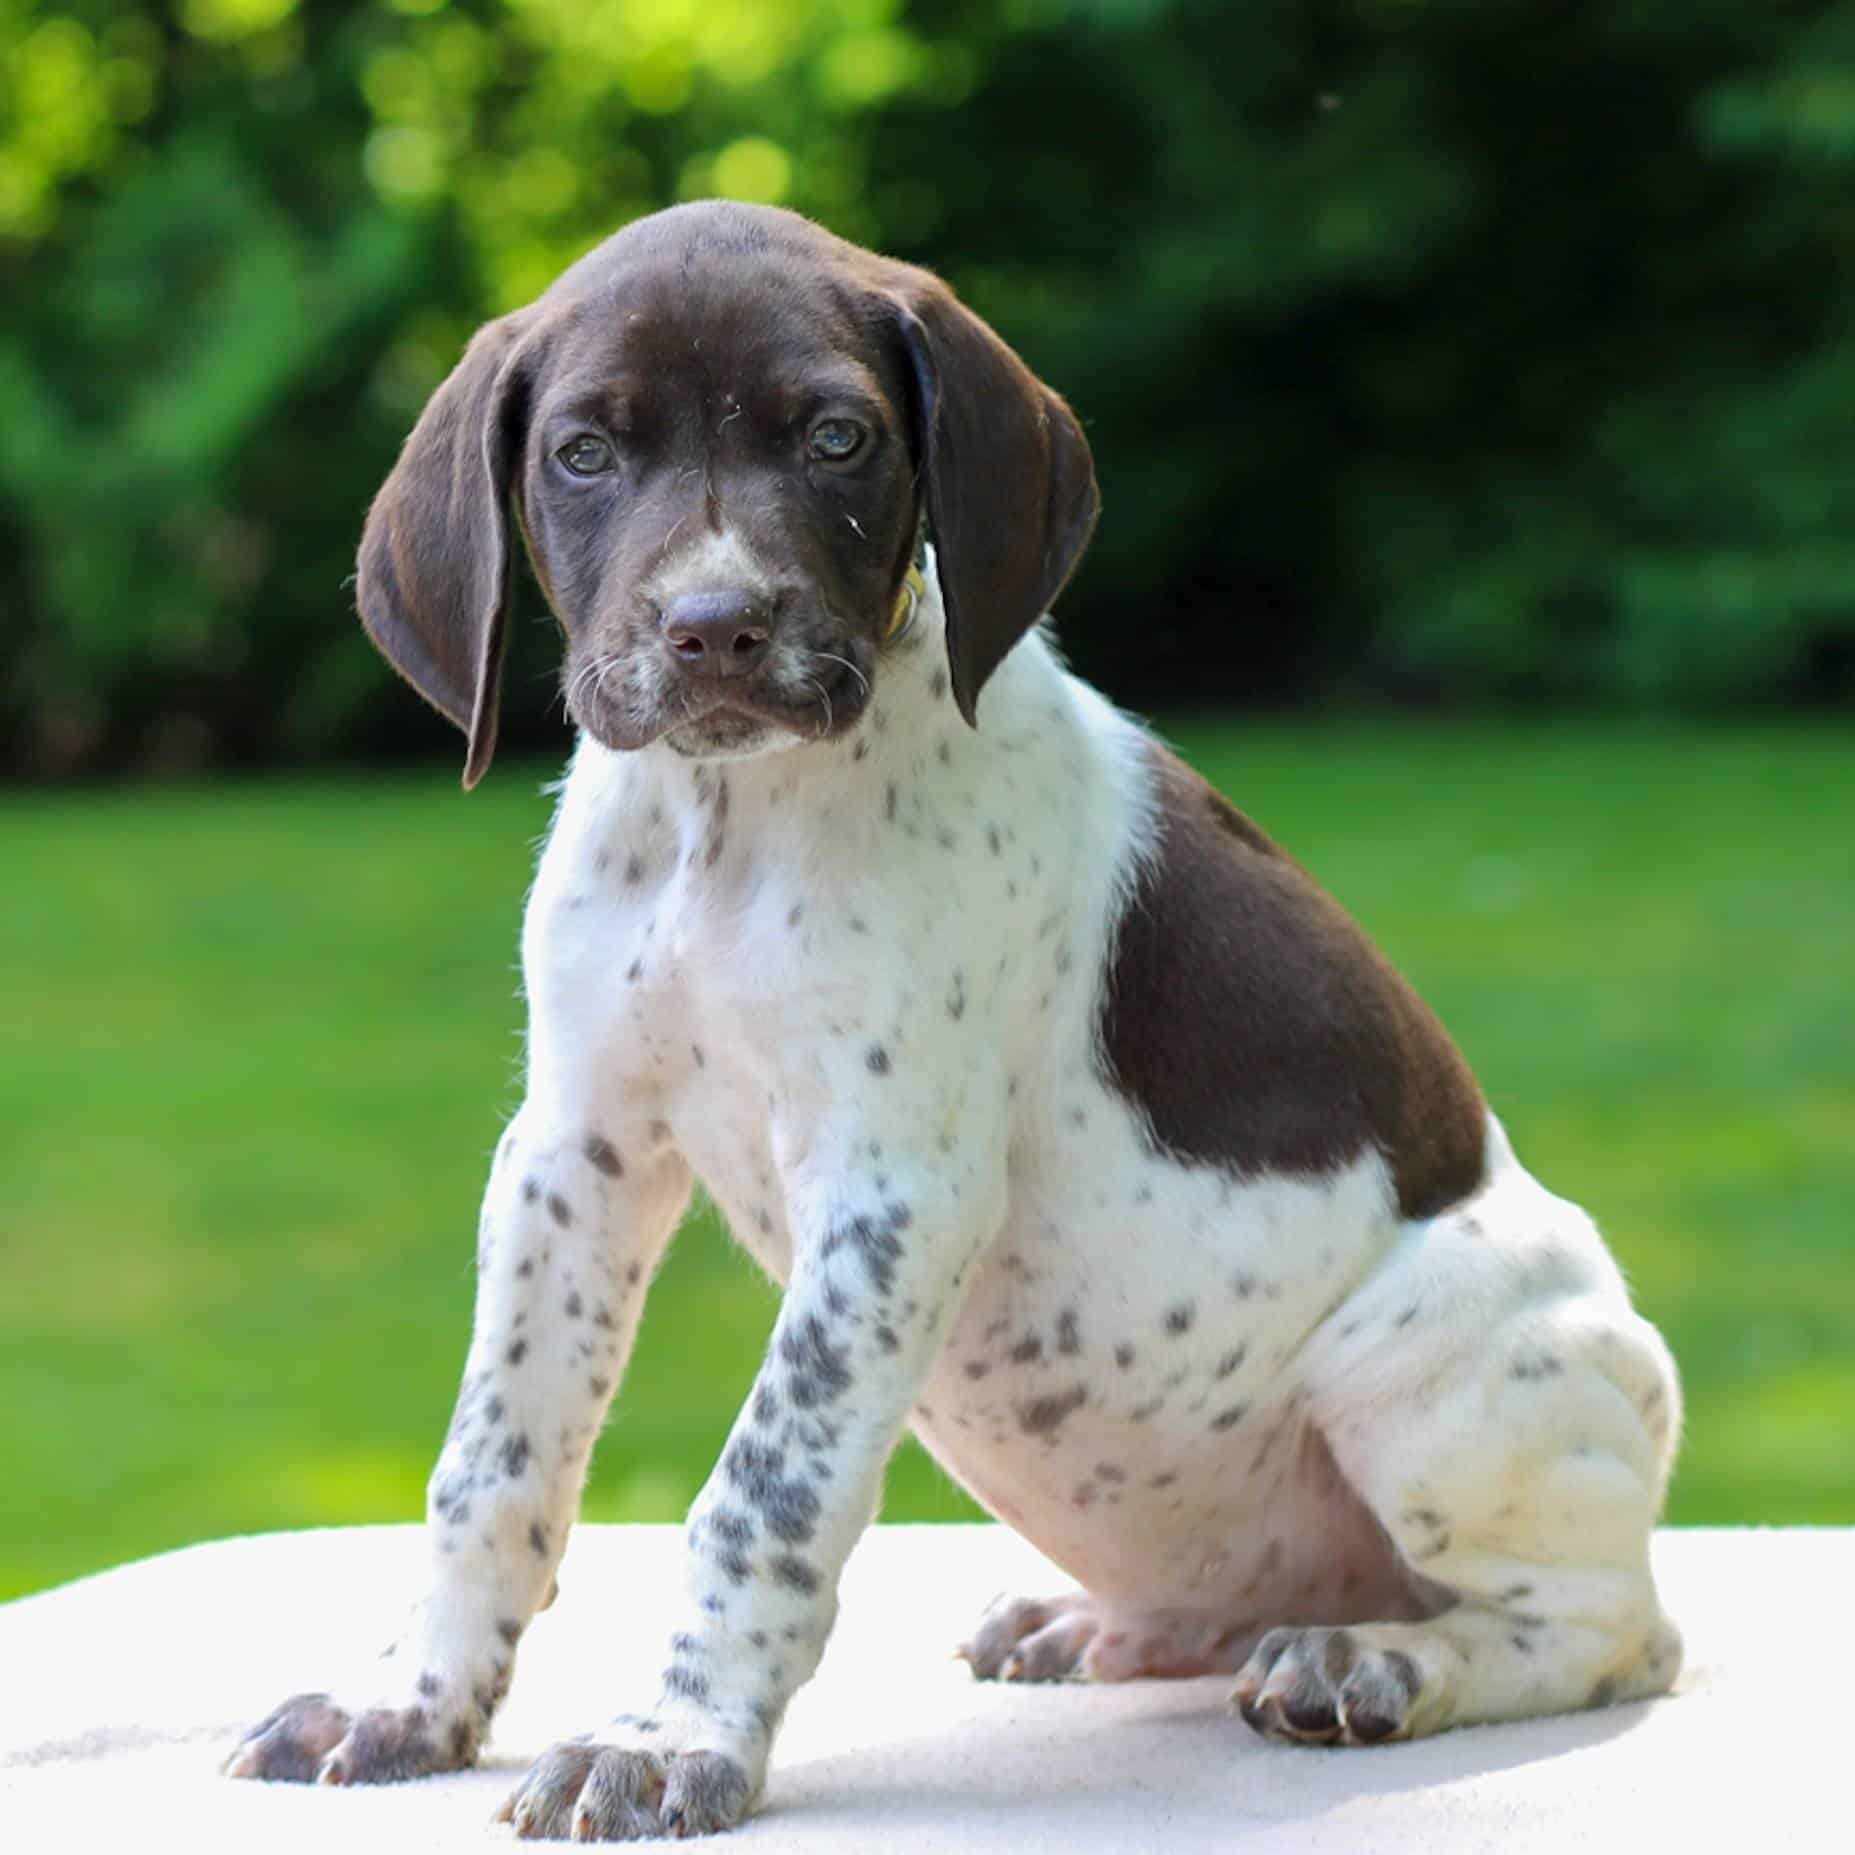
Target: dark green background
x: 1433, y: 350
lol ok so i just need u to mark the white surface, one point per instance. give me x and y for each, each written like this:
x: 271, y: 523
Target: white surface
x: 119, y: 1695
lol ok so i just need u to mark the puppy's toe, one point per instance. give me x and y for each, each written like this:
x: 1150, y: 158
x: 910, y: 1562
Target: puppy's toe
x: 585, y: 1792
x: 1053, y: 1653
x: 289, y: 1744
x: 541, y: 1808
x: 1326, y: 1687
x: 1379, y: 1696
x: 387, y: 1745
x: 1006, y: 1623
x: 622, y: 1798
x: 1030, y: 1639
x: 704, y: 1793
x: 1297, y: 1697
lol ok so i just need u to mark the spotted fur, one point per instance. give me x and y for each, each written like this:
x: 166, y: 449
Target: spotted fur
x: 1321, y: 1386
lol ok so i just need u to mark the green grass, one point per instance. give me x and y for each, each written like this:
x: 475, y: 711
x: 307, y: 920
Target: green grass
x: 261, y: 1038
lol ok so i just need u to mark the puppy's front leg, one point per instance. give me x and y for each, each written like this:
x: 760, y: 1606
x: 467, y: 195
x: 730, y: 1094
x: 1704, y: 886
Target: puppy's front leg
x: 876, y: 1277
x: 575, y: 1216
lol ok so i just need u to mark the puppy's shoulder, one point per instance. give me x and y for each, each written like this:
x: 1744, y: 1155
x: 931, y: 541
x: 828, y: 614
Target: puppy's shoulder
x: 1256, y: 1026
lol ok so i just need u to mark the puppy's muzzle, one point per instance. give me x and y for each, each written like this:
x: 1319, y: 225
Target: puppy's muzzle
x: 722, y: 633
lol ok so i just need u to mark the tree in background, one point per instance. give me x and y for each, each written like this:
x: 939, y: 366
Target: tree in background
x: 1452, y: 348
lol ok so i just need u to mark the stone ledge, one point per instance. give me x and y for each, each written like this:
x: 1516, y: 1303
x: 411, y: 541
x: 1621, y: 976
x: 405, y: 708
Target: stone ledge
x: 118, y: 1695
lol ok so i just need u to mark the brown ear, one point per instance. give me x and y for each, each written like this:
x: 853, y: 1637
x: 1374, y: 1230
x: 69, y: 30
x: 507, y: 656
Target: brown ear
x: 433, y: 586
x: 1011, y: 494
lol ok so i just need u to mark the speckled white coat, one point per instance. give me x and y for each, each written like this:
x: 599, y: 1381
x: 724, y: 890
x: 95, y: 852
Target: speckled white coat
x: 854, y: 987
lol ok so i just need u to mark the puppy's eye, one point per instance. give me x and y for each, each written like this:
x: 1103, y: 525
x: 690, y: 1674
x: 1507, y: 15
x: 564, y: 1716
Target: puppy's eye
x: 836, y: 441
x: 587, y: 456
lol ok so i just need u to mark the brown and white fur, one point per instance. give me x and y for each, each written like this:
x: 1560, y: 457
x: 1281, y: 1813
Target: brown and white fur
x: 1085, y: 1134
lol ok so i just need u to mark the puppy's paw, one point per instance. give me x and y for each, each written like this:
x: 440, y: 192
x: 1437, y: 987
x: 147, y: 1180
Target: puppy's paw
x: 1328, y: 1687
x: 310, y: 1739
x: 290, y: 1743
x: 583, y: 1791
x: 1031, y: 1639
x: 1079, y: 1638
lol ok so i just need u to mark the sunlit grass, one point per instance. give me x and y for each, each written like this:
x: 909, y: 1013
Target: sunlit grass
x: 261, y: 1039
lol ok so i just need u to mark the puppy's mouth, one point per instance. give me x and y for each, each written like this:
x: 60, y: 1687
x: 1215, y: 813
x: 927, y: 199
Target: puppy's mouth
x: 802, y: 694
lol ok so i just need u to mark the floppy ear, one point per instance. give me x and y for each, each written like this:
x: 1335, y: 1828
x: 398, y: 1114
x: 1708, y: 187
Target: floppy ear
x: 433, y: 586
x: 1011, y: 493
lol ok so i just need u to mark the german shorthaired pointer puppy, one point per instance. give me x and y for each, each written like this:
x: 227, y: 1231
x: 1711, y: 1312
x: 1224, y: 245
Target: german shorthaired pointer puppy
x: 1087, y: 1136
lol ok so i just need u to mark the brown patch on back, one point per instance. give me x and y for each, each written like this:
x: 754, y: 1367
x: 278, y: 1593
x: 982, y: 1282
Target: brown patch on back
x: 1261, y: 1031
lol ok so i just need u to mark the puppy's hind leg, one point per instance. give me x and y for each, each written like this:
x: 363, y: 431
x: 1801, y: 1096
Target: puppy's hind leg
x: 1510, y: 1422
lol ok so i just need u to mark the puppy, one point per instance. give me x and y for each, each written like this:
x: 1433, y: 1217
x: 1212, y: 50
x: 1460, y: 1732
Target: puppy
x: 1085, y: 1134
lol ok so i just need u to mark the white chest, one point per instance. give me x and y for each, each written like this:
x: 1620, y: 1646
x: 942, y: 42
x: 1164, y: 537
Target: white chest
x: 912, y: 941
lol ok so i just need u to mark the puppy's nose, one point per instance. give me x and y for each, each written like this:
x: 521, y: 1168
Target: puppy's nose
x: 725, y: 633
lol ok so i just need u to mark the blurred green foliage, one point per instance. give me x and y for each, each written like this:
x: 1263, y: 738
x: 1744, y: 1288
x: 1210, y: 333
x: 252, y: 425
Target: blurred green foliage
x: 265, y: 1035
x: 1438, y: 348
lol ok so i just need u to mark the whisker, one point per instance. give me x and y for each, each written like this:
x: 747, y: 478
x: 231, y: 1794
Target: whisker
x: 824, y: 696
x: 579, y: 676
x: 610, y: 664
x: 827, y: 657
x: 592, y: 673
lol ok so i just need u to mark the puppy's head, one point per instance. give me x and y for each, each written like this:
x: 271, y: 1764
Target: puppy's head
x: 721, y: 432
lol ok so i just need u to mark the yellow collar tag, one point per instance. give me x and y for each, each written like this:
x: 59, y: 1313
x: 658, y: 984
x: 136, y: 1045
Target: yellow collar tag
x: 914, y: 589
